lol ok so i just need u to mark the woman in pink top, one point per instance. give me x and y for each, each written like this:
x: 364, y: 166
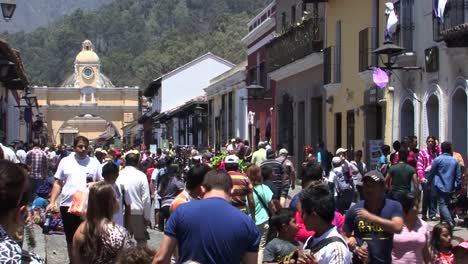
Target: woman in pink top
x: 412, y: 244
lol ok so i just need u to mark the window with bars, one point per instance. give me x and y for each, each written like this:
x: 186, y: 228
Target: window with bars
x: 293, y: 15
x: 231, y: 115
x: 223, y: 120
x: 365, y: 48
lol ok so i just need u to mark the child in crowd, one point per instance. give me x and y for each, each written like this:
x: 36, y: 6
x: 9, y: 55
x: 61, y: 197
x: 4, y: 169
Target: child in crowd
x: 42, y: 195
x: 136, y: 255
x: 460, y: 252
x: 284, y: 246
x: 442, y: 244
x: 110, y: 172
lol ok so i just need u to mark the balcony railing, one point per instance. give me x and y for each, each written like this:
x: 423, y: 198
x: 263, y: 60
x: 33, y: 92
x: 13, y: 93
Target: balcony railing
x: 453, y: 28
x: 366, y: 57
x: 295, y: 44
x: 332, y: 65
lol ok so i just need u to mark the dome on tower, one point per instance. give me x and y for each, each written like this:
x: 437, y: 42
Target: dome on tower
x: 87, y: 55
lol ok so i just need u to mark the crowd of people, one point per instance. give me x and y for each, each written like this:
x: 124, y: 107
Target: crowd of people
x: 235, y: 207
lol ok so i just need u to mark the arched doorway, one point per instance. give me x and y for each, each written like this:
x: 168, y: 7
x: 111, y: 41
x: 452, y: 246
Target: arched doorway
x: 459, y: 122
x: 432, y: 110
x: 407, y: 119
x: 97, y: 129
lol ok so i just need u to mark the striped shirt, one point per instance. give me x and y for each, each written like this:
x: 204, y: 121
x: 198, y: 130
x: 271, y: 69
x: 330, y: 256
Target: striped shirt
x: 278, y: 171
x: 241, y: 188
x: 425, y: 159
x: 333, y: 253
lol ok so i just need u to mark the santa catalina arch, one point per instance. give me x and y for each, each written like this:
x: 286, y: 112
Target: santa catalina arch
x: 87, y: 103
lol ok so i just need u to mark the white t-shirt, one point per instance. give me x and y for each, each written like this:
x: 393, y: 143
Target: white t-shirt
x: 21, y: 154
x: 9, y: 154
x: 333, y: 253
x: 73, y: 173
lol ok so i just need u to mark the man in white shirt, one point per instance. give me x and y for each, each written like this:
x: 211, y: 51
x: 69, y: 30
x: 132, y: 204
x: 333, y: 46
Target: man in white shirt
x: 137, y: 188
x: 327, y: 246
x: 9, y: 154
x: 20, y: 153
x: 73, y: 174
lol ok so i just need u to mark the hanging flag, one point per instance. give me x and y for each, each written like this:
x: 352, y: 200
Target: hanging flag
x: 392, y: 19
x: 439, y: 8
x: 380, y: 78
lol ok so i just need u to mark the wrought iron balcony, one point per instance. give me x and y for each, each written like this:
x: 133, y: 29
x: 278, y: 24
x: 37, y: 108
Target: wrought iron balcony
x: 453, y: 28
x: 296, y: 43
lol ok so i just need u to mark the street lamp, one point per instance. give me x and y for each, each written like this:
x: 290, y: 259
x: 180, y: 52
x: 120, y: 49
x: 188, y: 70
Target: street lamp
x: 29, y: 98
x: 8, y: 9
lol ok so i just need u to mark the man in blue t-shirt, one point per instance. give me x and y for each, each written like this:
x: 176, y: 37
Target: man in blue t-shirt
x: 210, y: 230
x: 373, y: 220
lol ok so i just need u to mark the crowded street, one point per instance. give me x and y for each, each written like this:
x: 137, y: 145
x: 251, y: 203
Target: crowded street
x: 234, y: 131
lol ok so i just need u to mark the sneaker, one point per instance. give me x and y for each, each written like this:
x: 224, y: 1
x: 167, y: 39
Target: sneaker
x: 433, y: 218
x: 424, y: 218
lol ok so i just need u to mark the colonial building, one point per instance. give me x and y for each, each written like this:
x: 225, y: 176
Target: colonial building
x: 433, y: 100
x: 227, y: 107
x: 355, y: 108
x: 13, y: 124
x: 260, y: 98
x: 185, y: 125
x: 294, y: 61
x: 177, y: 87
x: 87, y: 103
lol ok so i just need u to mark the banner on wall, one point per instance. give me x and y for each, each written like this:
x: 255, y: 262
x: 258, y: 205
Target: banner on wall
x: 375, y: 152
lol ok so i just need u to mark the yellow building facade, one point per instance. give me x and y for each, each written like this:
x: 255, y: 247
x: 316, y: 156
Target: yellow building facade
x: 87, y: 103
x: 355, y: 108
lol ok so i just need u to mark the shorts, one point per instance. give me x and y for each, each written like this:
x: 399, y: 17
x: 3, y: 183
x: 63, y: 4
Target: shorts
x: 285, y: 190
x: 276, y: 192
x: 157, y: 204
x: 137, y: 227
x: 71, y: 223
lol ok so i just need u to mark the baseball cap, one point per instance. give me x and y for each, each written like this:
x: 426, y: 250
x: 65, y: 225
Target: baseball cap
x: 261, y: 144
x: 233, y: 140
x: 231, y: 159
x: 283, y: 151
x: 341, y: 150
x: 374, y: 175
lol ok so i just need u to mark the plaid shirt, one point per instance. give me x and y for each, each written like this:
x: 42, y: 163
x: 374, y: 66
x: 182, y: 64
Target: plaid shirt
x: 36, y: 159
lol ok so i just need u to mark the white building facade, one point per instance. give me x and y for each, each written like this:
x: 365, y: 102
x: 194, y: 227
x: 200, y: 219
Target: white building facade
x: 227, y: 107
x: 432, y: 100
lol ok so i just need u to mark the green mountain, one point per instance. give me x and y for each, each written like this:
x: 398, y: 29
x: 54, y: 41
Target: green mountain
x: 31, y: 14
x: 138, y: 40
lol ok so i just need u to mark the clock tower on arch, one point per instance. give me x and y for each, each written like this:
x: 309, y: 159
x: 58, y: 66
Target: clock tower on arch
x: 87, y: 66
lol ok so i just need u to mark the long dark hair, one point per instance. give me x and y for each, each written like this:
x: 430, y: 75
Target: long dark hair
x: 101, y: 205
x: 436, y: 232
x: 172, y: 171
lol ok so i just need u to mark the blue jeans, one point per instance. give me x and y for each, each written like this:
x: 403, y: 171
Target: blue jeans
x: 444, y: 201
x: 429, y: 200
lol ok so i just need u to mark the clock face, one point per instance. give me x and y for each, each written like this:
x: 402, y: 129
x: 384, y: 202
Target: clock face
x: 88, y: 73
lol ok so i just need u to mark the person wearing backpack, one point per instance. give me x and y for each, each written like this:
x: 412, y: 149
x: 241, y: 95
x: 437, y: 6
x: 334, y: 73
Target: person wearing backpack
x: 344, y: 186
x: 327, y: 246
